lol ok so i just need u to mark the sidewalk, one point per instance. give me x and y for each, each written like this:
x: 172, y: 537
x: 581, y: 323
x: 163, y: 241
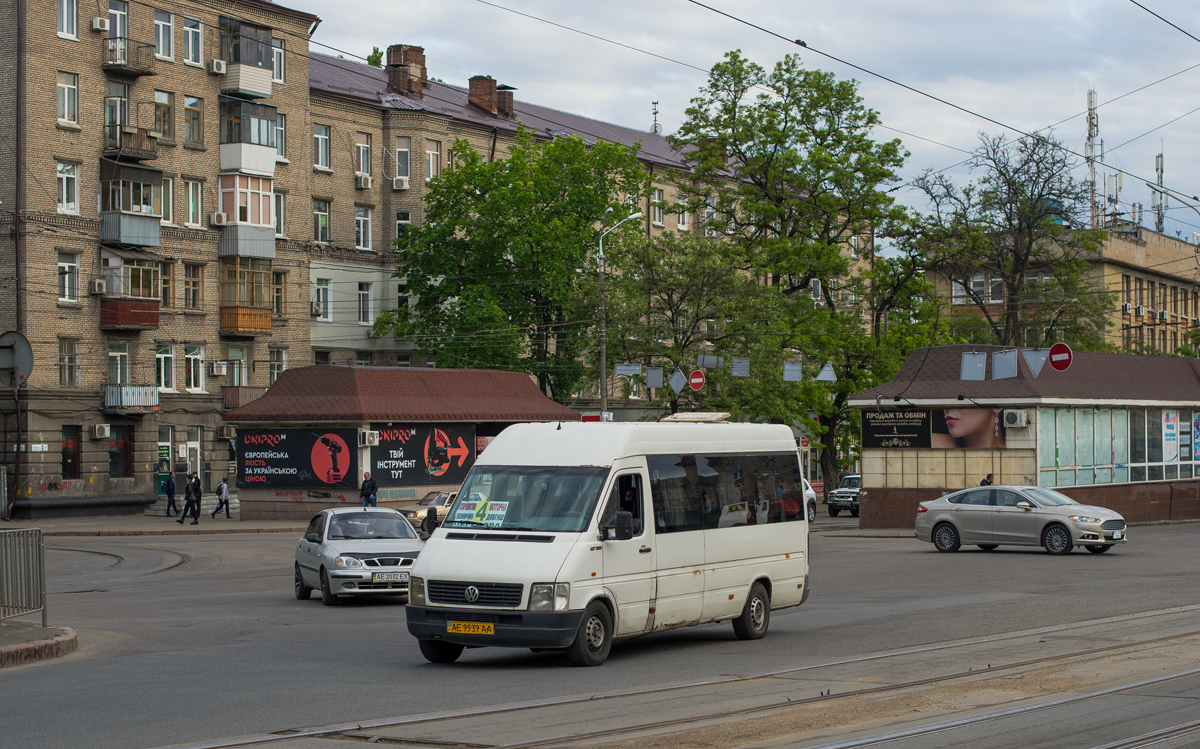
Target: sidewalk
x: 147, y: 525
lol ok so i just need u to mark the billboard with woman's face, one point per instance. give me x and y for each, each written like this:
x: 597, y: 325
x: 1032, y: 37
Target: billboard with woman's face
x: 963, y: 428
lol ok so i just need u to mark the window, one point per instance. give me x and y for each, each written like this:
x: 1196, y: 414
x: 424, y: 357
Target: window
x: 321, y: 357
x: 402, y: 297
x: 246, y: 199
x: 1126, y: 290
x: 404, y: 360
x: 402, y: 221
x: 403, y: 154
x: 277, y: 361
x: 118, y: 364
x: 815, y: 288
x: 245, y: 44
x: 118, y: 19
x: 194, y: 192
x: 68, y: 97
x: 278, y: 61
x: 68, y: 277
x: 681, y: 213
x: 164, y: 113
x: 321, y: 297
x: 362, y: 358
x: 131, y: 195
x: 68, y: 363
x: 996, y: 289
x: 321, y: 146
x: 433, y: 159
x: 364, y: 304
x: 130, y: 277
x: 168, y: 200
x: 710, y: 214
x: 362, y: 228
x: 362, y: 152
x: 193, y: 368
x: 280, y: 213
x: 321, y: 220
x: 68, y: 188
x: 72, y: 450
x: 280, y: 133
x: 68, y: 16
x: 247, y: 122
x: 431, y: 359
x: 166, y: 281
x: 657, y: 210
x: 238, y: 369
x: 193, y: 119
x: 193, y: 41
x: 193, y: 288
x: 278, y: 293
x: 245, y: 282
x: 164, y: 366
x: 120, y: 451
x: 164, y: 34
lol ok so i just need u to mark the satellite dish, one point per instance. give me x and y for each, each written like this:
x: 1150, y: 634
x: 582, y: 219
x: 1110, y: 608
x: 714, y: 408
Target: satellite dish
x: 656, y: 128
x: 16, y: 359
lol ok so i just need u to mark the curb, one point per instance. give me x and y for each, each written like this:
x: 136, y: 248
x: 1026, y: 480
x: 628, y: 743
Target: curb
x: 181, y: 532
x: 30, y: 652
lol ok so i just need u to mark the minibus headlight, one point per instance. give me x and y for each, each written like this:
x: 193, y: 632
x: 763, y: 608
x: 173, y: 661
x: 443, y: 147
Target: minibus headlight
x: 549, y: 596
x: 416, y: 591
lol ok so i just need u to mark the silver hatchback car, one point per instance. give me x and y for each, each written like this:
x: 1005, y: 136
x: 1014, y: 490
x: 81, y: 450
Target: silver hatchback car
x: 991, y: 516
x: 351, y: 551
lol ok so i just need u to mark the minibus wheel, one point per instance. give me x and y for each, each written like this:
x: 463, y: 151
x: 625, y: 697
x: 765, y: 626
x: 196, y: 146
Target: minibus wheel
x: 440, y: 651
x: 756, y: 614
x: 593, y: 641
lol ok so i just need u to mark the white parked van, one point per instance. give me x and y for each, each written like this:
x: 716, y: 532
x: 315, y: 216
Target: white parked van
x: 568, y: 535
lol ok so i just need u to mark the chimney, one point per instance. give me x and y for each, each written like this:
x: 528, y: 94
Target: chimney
x: 482, y: 92
x: 406, y: 68
x: 504, y: 101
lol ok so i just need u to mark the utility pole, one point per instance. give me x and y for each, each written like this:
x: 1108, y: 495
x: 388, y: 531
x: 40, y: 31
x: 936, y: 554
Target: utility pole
x: 1090, y: 153
x: 603, y: 332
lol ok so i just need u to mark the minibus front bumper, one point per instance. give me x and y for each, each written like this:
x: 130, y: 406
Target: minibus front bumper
x: 512, y: 629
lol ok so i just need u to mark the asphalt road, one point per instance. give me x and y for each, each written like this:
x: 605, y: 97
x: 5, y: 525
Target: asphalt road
x: 196, y: 638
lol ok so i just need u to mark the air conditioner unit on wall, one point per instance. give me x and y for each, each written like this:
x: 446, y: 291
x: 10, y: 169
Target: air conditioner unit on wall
x: 362, y: 181
x: 226, y: 431
x: 97, y: 286
x: 216, y: 67
x: 1162, y: 315
x: 101, y: 431
x: 100, y: 25
x: 314, y: 309
x: 1015, y: 418
x: 218, y: 368
x: 368, y: 439
x: 1126, y: 308
x: 1139, y: 310
x: 218, y: 219
x: 400, y: 183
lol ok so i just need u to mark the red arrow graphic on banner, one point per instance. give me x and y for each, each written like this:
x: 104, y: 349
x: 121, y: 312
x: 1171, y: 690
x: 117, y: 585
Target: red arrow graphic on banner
x: 461, y: 451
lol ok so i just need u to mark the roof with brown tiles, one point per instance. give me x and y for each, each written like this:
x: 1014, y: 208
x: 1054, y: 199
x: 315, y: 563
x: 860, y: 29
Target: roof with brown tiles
x: 328, y: 393
x: 933, y: 374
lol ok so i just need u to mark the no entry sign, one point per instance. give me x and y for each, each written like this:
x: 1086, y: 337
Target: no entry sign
x: 1060, y: 356
x: 696, y: 380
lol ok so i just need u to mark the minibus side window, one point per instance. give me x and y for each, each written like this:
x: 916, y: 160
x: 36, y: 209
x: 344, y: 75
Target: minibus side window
x: 679, y: 492
x: 626, y: 495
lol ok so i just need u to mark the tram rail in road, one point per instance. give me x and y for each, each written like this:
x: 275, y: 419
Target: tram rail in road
x: 745, y: 694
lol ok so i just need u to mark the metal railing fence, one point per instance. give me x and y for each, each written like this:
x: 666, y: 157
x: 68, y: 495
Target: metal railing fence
x: 22, y: 573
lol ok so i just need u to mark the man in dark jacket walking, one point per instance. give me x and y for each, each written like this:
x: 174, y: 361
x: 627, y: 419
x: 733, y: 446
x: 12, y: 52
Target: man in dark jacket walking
x: 369, y: 490
x: 169, y: 488
x: 222, y: 498
x: 191, y: 500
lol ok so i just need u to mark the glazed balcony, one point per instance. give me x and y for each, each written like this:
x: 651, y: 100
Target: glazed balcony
x: 245, y: 322
x: 128, y: 313
x: 130, y: 143
x: 124, y: 56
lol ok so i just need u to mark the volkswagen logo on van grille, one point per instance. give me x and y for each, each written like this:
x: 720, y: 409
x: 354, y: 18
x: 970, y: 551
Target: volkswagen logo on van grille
x: 471, y: 594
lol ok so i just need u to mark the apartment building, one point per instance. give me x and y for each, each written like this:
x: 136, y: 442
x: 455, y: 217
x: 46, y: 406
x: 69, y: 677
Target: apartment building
x: 142, y: 243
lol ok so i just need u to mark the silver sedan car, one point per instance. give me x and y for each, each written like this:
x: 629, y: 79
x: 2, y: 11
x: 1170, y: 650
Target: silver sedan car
x: 991, y: 516
x: 351, y: 551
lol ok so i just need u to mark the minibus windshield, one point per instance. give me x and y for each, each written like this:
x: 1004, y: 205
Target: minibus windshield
x: 530, y: 498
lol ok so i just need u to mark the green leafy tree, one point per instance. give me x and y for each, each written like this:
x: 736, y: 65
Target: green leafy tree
x: 503, y: 265
x: 375, y: 59
x: 1019, y: 230
x: 785, y: 167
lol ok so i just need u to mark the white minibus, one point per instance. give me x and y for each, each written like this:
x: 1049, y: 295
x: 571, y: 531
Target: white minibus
x: 570, y: 535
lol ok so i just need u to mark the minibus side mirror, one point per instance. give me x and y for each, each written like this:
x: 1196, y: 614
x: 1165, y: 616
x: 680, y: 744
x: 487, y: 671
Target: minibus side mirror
x: 624, y: 525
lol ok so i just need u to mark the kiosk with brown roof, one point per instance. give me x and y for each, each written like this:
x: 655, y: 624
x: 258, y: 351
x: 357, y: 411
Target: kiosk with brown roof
x: 305, y: 444
x: 1113, y: 430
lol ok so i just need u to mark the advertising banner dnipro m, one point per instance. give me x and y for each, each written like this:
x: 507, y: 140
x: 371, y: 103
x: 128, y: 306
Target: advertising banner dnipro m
x: 961, y: 428
x: 297, y: 457
x: 422, y: 454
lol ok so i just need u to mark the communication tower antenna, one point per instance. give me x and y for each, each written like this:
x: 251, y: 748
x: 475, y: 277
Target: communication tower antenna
x: 1090, y: 153
x: 656, y: 128
x: 1159, y: 212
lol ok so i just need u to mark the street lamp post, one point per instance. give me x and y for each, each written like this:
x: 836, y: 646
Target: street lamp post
x: 603, y: 337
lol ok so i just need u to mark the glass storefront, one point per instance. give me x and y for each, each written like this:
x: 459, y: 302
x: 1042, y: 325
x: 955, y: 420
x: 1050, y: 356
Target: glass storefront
x: 1082, y: 446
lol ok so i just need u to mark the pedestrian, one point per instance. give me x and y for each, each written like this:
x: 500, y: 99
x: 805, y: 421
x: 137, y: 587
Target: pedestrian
x: 987, y: 481
x: 169, y: 488
x: 222, y: 498
x: 191, y: 499
x: 369, y: 490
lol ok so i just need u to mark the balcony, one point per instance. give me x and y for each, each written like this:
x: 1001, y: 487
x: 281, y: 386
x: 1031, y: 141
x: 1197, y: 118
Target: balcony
x: 130, y: 143
x: 233, y: 396
x: 131, y: 399
x: 245, y: 322
x: 248, y: 81
x: 124, y: 56
x: 128, y: 313
x: 246, y: 240
x: 130, y: 228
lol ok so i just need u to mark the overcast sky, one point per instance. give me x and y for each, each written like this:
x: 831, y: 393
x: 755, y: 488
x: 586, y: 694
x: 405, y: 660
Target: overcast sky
x: 1026, y: 63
